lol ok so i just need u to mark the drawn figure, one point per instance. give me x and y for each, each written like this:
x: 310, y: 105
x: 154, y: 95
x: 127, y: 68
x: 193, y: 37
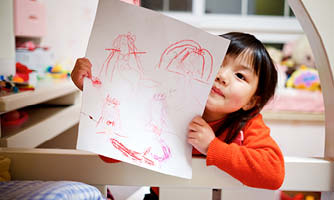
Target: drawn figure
x: 96, y: 82
x: 109, y: 121
x: 189, y: 59
x: 158, y: 113
x: 158, y: 125
x: 123, y: 60
x: 165, y: 152
x: 157, y: 122
x: 191, y: 62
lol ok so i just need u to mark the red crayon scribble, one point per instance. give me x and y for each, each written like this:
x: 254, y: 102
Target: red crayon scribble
x: 158, y: 113
x: 134, y: 155
x: 127, y: 152
x: 148, y: 161
x: 90, y: 117
x: 110, y: 116
x: 188, y: 58
x: 96, y: 81
x: 166, y: 152
x: 123, y: 51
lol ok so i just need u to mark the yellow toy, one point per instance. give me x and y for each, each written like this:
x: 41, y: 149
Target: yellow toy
x: 304, y: 78
x: 57, y: 72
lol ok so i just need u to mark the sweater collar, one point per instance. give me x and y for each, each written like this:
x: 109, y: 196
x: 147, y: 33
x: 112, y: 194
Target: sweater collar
x: 216, y: 124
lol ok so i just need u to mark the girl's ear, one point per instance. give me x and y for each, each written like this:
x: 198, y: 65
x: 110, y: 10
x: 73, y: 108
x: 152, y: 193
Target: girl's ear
x: 251, y: 103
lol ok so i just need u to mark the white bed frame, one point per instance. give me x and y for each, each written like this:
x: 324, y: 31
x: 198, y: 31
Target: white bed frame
x: 302, y: 174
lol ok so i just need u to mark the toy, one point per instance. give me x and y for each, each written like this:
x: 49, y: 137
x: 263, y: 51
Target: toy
x: 19, y: 82
x: 4, y: 169
x: 22, y: 78
x: 22, y: 73
x: 57, y: 71
x: 275, y: 54
x: 298, y: 196
x: 14, y: 119
x: 29, y: 45
x: 7, y: 86
x: 304, y: 78
x: 298, y: 52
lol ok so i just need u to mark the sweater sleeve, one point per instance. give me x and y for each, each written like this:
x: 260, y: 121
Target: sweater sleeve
x: 108, y: 160
x: 257, y: 163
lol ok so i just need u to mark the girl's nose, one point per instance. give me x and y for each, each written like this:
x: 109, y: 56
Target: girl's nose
x: 222, y: 77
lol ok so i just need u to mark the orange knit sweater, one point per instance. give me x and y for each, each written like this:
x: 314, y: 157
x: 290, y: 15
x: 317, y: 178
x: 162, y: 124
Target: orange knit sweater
x: 257, y: 162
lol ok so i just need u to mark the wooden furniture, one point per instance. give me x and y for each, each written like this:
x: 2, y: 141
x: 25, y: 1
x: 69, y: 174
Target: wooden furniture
x: 44, y: 122
x: 29, y: 18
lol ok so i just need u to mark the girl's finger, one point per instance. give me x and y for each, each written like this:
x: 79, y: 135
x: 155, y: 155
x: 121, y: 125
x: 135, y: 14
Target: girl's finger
x: 194, y: 126
x: 199, y: 120
x: 192, y: 134
x: 89, y: 73
x: 82, y: 73
x: 191, y: 141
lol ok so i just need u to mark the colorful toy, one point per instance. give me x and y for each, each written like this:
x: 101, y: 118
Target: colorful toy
x: 57, y: 71
x: 14, y: 119
x: 22, y: 73
x: 7, y: 86
x: 29, y: 45
x: 285, y: 196
x: 18, y: 82
x: 298, y: 52
x: 304, y: 78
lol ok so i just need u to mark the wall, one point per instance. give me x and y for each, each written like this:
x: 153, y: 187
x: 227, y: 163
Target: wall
x: 7, y: 41
x: 68, y: 28
x: 302, y: 138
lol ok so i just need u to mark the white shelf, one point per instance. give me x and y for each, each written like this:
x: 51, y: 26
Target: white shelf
x: 294, y: 116
x: 302, y: 174
x: 44, y: 91
x: 43, y: 124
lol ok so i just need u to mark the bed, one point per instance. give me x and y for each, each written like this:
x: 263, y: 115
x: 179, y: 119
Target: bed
x: 48, y: 190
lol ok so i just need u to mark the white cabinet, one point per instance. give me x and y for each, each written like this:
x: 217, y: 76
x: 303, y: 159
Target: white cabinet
x: 45, y: 121
x: 29, y: 18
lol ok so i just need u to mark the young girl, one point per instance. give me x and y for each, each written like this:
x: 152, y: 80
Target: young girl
x: 231, y: 132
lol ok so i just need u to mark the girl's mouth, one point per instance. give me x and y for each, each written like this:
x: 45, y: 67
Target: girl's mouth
x: 217, y: 91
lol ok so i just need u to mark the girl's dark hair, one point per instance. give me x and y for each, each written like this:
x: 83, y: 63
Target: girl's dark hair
x: 263, y: 67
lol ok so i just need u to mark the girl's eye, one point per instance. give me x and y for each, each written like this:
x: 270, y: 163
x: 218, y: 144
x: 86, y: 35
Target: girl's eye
x: 240, y: 76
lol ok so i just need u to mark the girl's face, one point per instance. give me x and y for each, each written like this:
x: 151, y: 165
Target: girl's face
x: 233, y: 89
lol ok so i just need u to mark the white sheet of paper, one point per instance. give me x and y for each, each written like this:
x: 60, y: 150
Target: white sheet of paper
x: 151, y: 76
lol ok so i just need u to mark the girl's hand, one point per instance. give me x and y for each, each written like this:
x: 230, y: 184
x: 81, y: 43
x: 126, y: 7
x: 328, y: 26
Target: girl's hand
x: 200, y: 134
x: 82, y: 68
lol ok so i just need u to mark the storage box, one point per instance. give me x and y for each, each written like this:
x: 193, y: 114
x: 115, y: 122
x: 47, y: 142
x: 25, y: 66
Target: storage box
x: 38, y: 59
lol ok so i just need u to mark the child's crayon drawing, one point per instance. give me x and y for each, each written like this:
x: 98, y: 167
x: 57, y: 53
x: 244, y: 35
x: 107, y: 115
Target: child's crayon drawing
x: 110, y: 119
x: 123, y: 60
x: 147, y: 84
x: 185, y: 59
x: 157, y: 113
x: 189, y: 59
